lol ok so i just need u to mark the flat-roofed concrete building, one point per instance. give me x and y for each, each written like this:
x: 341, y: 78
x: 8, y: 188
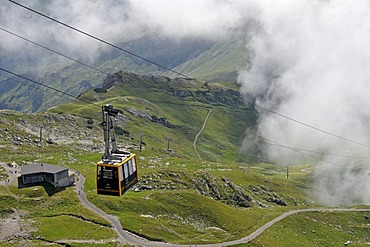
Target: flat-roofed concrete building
x: 56, y: 175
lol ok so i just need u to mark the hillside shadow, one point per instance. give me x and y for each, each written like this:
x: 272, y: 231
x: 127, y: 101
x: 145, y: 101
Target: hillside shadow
x: 49, y: 188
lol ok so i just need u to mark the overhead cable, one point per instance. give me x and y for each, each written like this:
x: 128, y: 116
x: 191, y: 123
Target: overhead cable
x: 101, y: 40
x: 297, y: 150
x: 56, y: 52
x: 185, y: 76
x: 318, y: 152
x: 23, y: 82
x: 308, y: 125
x: 46, y: 86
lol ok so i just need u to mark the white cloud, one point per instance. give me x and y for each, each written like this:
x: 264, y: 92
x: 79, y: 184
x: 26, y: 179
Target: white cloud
x: 311, y: 63
x: 118, y: 21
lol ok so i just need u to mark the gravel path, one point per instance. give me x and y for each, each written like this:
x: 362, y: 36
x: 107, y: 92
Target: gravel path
x: 130, y: 238
x: 12, y: 172
x: 13, y: 226
x: 9, y: 226
x: 200, y: 132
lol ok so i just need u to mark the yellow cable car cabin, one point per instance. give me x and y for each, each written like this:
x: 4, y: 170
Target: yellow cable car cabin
x: 117, y: 171
x: 116, y: 178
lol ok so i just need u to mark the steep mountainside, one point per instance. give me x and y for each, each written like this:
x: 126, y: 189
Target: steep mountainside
x: 194, y: 187
x: 220, y: 63
x: 160, y: 107
x: 183, y: 88
x: 207, y: 60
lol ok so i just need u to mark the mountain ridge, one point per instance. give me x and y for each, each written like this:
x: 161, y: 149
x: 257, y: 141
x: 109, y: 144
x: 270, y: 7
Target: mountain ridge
x: 73, y: 78
x: 181, y: 87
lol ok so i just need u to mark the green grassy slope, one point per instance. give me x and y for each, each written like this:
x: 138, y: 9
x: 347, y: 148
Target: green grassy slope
x: 318, y: 229
x: 66, y: 76
x: 180, y: 198
x: 220, y: 63
x: 161, y: 108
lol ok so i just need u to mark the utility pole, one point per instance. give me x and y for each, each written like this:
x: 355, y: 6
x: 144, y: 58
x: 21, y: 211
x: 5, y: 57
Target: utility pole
x: 141, y: 142
x: 40, y: 134
x: 287, y: 171
x: 168, y: 144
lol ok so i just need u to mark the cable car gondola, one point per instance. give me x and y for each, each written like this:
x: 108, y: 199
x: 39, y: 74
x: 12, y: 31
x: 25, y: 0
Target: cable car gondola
x: 117, y: 171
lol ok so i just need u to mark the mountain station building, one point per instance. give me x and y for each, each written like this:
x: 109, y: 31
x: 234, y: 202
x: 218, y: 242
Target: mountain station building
x: 56, y: 175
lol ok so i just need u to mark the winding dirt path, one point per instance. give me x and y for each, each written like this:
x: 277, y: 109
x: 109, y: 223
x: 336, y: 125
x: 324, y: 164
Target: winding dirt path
x: 12, y: 172
x: 130, y: 238
x: 200, y: 132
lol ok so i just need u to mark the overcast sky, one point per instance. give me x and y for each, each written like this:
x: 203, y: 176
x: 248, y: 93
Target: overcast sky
x: 117, y: 21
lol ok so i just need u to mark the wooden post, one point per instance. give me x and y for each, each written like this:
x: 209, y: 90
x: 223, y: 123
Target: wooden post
x: 141, y: 142
x: 168, y: 144
x: 287, y: 171
x: 40, y: 134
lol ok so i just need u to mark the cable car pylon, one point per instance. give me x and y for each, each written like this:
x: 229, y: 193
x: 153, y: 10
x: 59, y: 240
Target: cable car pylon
x: 117, y: 171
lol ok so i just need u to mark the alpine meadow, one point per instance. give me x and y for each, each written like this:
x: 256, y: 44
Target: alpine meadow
x: 184, y: 123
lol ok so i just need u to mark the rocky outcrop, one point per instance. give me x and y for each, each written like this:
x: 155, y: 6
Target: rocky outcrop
x: 208, y: 186
x: 164, y: 122
x: 111, y: 80
x: 180, y: 87
x: 223, y: 190
x: 57, y: 129
x: 152, y: 118
x: 162, y: 181
x: 268, y: 195
x: 238, y: 194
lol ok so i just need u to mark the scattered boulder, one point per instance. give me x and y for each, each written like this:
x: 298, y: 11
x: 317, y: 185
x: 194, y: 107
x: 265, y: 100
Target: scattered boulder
x: 273, y: 197
x: 100, y: 90
x: 164, y: 122
x: 238, y: 194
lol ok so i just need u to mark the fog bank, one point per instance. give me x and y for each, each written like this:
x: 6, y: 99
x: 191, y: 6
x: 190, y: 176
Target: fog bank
x: 310, y: 62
